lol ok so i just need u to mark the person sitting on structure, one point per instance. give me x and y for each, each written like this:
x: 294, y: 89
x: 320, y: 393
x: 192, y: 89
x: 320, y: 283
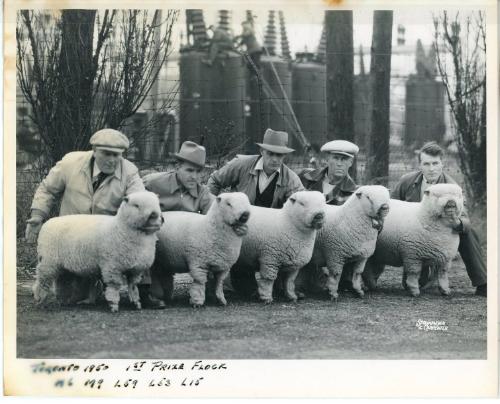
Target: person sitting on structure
x: 221, y: 41
x: 247, y: 38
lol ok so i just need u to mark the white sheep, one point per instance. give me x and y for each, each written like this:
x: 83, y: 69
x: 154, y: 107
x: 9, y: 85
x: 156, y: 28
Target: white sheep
x: 201, y: 245
x: 278, y: 240
x: 417, y: 233
x: 349, y: 235
x: 117, y: 248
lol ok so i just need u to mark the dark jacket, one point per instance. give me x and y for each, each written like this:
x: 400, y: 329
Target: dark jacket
x: 240, y: 175
x: 313, y: 181
x: 409, y: 188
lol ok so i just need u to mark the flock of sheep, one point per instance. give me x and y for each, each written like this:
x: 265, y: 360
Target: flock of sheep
x: 369, y: 231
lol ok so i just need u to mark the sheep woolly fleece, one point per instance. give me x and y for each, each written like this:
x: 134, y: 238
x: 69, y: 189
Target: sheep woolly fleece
x: 418, y: 233
x: 349, y: 235
x: 201, y: 244
x: 281, y: 240
x: 98, y: 245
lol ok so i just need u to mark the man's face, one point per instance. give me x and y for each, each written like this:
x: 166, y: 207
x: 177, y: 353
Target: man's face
x: 271, y: 161
x: 107, y: 160
x: 431, y: 166
x: 188, y: 174
x: 338, y: 164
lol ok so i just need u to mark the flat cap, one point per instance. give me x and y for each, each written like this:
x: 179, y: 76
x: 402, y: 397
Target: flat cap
x: 109, y: 139
x: 340, y: 147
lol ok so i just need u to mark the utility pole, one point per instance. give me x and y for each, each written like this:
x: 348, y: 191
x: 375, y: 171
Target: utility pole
x: 340, y: 75
x: 377, y: 161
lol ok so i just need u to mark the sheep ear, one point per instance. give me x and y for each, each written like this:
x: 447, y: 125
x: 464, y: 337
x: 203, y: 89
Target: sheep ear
x: 125, y: 199
x: 358, y: 194
x: 218, y: 199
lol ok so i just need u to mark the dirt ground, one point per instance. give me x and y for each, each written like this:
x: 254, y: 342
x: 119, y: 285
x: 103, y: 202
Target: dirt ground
x: 383, y: 325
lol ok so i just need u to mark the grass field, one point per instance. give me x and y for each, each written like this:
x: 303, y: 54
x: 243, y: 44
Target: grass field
x: 380, y: 326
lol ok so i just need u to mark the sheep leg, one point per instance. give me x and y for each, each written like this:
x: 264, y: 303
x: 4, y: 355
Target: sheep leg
x: 412, y: 270
x: 290, y: 284
x: 113, y: 280
x: 133, y: 290
x: 371, y: 273
x: 332, y: 283
x: 265, y: 282
x: 45, y: 275
x: 357, y: 270
x: 443, y: 282
x: 197, y: 290
x: 219, y: 286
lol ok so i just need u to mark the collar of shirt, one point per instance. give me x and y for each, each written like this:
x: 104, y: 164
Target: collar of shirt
x: 264, y: 179
x: 175, y: 186
x: 327, y: 187
x: 425, y: 185
x: 95, y: 171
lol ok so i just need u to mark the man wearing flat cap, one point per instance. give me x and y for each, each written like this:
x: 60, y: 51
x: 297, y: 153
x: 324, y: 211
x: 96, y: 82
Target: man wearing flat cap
x: 178, y: 190
x: 336, y: 184
x: 333, y: 180
x: 86, y: 182
x: 264, y: 178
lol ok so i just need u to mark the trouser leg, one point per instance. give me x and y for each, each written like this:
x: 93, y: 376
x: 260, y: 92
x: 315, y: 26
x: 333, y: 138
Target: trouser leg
x: 471, y: 253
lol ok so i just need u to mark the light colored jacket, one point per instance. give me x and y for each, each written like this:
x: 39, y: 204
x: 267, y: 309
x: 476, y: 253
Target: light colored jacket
x: 70, y: 180
x: 240, y: 175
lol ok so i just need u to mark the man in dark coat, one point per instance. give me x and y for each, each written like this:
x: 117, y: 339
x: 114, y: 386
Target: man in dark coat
x: 411, y: 188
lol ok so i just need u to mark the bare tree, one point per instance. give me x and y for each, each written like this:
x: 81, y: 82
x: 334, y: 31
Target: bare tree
x: 462, y: 43
x: 77, y: 84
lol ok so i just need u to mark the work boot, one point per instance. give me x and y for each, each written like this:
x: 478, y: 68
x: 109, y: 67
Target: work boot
x: 148, y: 301
x: 481, y: 290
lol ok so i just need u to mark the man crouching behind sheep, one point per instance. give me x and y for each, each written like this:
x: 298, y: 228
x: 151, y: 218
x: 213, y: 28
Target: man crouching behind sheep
x: 118, y: 248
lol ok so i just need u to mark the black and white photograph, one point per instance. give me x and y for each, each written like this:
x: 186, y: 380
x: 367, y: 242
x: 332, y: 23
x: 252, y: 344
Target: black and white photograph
x: 203, y: 184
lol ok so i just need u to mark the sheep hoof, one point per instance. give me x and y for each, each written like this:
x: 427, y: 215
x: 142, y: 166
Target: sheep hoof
x: 445, y: 292
x: 138, y: 305
x: 292, y: 299
x: 114, y: 308
x: 414, y: 292
x: 334, y: 298
x: 300, y: 295
x: 196, y: 305
x: 222, y: 302
x: 266, y: 300
x: 359, y: 293
x: 86, y: 301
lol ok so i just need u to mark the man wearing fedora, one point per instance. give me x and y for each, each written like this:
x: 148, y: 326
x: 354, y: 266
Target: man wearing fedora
x: 85, y: 182
x: 264, y: 178
x: 334, y: 181
x: 179, y: 189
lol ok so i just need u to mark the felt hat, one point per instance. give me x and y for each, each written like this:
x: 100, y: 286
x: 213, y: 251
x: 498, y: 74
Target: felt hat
x: 343, y: 147
x: 192, y: 153
x: 110, y: 139
x: 275, y: 141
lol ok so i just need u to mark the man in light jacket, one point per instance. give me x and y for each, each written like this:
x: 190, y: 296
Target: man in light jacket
x: 88, y: 182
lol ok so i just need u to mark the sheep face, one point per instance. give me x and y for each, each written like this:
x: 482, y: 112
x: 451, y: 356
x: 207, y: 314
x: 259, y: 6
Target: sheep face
x: 374, y: 200
x: 234, y: 208
x: 307, y: 209
x: 141, y: 211
x: 444, y: 200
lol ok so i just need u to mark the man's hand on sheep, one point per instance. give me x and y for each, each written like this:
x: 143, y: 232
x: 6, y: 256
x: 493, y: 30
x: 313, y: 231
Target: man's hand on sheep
x: 33, y: 229
x: 117, y: 248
